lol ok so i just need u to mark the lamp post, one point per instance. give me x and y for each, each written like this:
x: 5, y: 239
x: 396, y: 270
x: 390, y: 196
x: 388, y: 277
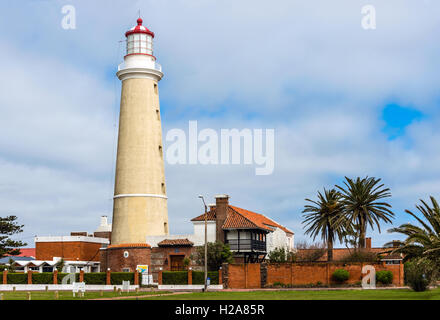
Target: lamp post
x: 206, y: 241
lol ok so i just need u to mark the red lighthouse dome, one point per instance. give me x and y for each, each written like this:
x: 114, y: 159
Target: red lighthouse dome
x: 139, y: 40
x: 139, y: 29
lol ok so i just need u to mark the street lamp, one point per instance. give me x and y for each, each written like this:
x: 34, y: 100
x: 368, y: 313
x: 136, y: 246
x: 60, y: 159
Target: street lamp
x: 206, y: 241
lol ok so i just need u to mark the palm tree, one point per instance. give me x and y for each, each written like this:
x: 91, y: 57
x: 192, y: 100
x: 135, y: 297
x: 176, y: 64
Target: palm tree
x: 422, y: 241
x: 323, y: 217
x: 363, y: 206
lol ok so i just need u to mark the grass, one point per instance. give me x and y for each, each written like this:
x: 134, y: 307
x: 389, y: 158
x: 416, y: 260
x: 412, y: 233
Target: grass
x: 68, y: 295
x: 390, y: 294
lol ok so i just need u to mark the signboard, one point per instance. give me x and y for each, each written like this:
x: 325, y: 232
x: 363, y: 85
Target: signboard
x: 142, y: 268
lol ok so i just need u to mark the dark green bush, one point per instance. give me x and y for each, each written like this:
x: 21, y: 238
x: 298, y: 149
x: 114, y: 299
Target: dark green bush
x: 175, y: 277
x: 198, y: 277
x: 17, y: 278
x: 340, y: 275
x: 418, y: 276
x: 384, y: 277
x: 60, y: 277
x: 42, y: 278
x: 95, y: 278
x: 118, y: 277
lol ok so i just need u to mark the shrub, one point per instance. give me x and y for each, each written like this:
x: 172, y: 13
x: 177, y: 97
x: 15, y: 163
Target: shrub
x: 42, y: 278
x: 278, y: 284
x: 361, y: 256
x: 384, y: 277
x: 280, y: 255
x: 198, y: 277
x: 417, y: 276
x: 60, y: 277
x: 218, y: 253
x: 95, y: 278
x: 340, y: 275
x: 175, y: 277
x: 17, y: 278
x: 118, y: 277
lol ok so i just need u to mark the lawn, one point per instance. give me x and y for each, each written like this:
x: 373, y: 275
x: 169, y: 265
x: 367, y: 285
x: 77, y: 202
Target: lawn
x: 397, y: 294
x: 391, y: 294
x: 68, y: 295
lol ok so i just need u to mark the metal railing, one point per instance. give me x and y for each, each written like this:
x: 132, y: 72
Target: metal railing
x: 246, y: 245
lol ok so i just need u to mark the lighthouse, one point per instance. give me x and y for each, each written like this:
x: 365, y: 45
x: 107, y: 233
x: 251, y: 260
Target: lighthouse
x: 140, y: 201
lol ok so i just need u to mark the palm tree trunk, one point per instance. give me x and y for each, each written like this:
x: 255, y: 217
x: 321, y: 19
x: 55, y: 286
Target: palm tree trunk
x: 362, y: 233
x: 330, y: 248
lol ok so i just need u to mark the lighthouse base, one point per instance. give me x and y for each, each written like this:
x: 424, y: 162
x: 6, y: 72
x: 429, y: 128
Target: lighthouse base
x: 125, y: 257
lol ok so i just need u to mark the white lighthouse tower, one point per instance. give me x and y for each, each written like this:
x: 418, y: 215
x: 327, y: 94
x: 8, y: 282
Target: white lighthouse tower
x: 140, y: 201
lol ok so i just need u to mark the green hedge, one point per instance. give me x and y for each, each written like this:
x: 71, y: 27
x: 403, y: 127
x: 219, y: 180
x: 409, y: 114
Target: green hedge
x: 198, y: 277
x: 175, y: 277
x: 89, y: 278
x: 340, y: 275
x: 95, y: 278
x: 17, y: 278
x: 42, y: 278
x: 118, y: 277
x: 384, y: 277
x: 62, y: 275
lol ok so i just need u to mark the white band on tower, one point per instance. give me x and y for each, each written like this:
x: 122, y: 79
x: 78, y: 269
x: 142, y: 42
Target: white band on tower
x: 147, y: 195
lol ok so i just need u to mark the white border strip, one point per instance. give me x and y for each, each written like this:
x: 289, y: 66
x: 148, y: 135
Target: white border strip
x: 148, y: 195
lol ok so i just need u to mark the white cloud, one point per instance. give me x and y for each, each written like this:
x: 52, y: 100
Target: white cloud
x: 307, y: 69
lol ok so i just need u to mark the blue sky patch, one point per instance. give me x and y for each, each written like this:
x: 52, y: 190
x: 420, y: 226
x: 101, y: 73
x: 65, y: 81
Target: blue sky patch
x: 397, y: 118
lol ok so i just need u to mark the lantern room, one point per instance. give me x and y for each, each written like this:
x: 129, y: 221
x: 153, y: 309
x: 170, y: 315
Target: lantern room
x: 139, y: 40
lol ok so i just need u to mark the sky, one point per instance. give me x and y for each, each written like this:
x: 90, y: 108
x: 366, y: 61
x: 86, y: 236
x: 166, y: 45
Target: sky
x: 342, y: 100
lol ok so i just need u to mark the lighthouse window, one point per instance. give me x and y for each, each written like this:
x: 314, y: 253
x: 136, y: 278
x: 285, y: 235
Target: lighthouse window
x: 165, y: 227
x: 160, y: 151
x: 139, y: 43
x: 158, y: 114
x: 155, y: 88
x: 163, y: 187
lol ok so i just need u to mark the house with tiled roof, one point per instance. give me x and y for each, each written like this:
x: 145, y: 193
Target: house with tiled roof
x: 250, y: 235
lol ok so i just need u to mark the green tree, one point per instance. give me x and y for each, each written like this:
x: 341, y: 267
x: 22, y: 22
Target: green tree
x: 324, y: 218
x: 363, y: 204
x: 60, y: 265
x: 421, y: 241
x: 9, y: 227
x: 218, y: 253
x: 280, y: 255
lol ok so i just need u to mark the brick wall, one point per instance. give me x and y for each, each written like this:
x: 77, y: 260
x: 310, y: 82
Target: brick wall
x: 297, y: 274
x: 244, y: 276
x: 75, y: 250
x: 114, y: 258
x: 161, y: 257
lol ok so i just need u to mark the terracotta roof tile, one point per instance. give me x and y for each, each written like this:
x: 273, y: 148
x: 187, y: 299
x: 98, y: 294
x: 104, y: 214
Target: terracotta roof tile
x: 175, y: 242
x: 26, y: 252
x: 235, y: 220
x: 211, y: 216
x: 242, y: 218
x: 260, y: 220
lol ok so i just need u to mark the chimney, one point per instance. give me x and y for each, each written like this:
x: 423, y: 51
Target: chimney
x: 368, y: 243
x: 104, y: 221
x: 221, y: 212
x: 211, y: 206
